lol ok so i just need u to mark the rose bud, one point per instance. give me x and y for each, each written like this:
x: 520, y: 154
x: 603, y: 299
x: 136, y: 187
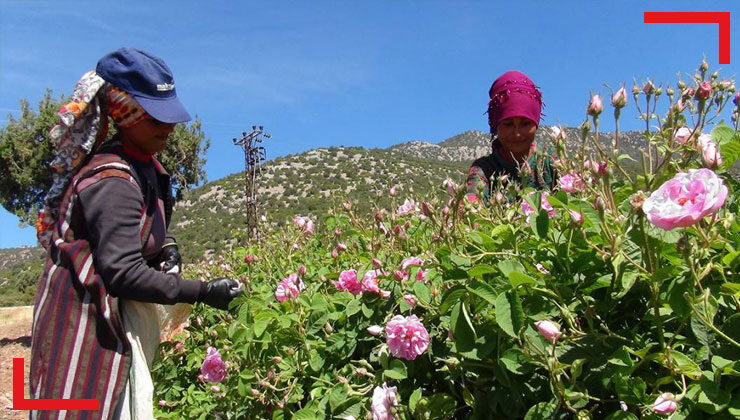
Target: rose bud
x: 549, y: 330
x: 375, y: 330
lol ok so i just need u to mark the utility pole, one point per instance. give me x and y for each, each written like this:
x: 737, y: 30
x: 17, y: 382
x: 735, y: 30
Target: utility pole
x: 253, y: 156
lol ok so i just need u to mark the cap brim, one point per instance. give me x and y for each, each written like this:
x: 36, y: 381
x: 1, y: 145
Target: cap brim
x: 168, y: 110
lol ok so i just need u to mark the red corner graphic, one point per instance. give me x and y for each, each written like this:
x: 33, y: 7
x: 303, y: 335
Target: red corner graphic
x: 21, y: 403
x: 722, y: 18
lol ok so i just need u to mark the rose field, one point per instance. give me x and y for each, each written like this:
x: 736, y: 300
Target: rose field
x: 615, y: 296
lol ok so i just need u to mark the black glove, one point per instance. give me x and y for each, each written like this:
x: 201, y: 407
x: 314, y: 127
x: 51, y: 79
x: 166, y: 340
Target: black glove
x: 170, y: 258
x: 218, y: 293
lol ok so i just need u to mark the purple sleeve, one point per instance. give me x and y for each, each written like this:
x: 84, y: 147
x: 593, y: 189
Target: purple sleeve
x: 113, y: 231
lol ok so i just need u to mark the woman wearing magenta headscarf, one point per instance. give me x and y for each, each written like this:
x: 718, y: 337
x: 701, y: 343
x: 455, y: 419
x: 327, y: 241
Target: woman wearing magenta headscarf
x: 514, y: 112
x: 110, y: 257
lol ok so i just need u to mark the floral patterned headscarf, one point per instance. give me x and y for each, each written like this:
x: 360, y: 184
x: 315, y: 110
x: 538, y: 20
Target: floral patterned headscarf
x: 82, y: 127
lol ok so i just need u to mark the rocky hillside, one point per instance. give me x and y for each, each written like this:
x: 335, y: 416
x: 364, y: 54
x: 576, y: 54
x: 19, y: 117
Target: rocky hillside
x: 310, y: 183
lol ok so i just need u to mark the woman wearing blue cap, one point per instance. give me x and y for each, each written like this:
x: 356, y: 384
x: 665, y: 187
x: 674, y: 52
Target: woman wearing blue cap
x: 110, y: 256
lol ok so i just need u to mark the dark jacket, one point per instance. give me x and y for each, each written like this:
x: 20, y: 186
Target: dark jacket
x: 487, y: 170
x: 79, y: 346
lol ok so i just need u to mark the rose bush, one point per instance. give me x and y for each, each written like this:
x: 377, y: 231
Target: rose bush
x: 618, y: 299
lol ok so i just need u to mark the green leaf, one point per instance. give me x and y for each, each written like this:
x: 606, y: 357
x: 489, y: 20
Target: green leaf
x: 515, y: 361
x: 541, y: 411
x: 459, y: 261
x: 508, y: 266
x: 729, y: 144
x: 261, y: 321
x: 351, y: 407
x: 712, y: 398
x: 483, y: 290
x: 315, y: 360
x: 462, y: 328
x: 509, y: 313
x: 354, y: 306
x: 436, y: 407
x: 621, y: 358
x: 310, y: 412
x: 516, y: 278
x: 397, y: 370
x: 628, y: 280
x: 414, y: 399
x: 480, y: 270
x: 337, y: 396
x: 543, y: 224
x: 451, y: 297
x: 621, y: 415
x: 680, y: 363
x: 421, y: 290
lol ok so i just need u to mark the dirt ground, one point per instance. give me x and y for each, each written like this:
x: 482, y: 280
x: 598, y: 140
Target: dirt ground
x: 15, y: 341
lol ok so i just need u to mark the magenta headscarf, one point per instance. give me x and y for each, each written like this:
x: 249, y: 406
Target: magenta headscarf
x: 513, y: 95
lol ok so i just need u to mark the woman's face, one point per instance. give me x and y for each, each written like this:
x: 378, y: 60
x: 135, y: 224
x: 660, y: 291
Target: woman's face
x: 147, y: 136
x: 516, y: 134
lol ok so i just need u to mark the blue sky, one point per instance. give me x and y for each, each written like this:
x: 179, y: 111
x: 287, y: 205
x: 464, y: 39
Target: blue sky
x: 358, y: 73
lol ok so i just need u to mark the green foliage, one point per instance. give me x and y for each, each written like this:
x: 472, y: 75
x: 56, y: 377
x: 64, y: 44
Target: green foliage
x: 25, y: 152
x: 641, y: 311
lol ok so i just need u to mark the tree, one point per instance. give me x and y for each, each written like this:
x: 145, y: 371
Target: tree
x: 185, y: 156
x: 26, y: 150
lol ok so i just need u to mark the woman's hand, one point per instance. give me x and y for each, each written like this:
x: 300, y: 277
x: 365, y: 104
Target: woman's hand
x: 219, y: 292
x: 171, y: 259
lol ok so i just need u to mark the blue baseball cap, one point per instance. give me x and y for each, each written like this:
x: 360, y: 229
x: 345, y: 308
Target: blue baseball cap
x: 148, y: 79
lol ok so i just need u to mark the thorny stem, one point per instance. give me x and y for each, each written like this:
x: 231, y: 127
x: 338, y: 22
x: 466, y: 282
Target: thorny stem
x: 709, y: 324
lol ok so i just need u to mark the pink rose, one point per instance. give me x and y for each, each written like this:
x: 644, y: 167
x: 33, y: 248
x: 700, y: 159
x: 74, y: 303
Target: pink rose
x: 549, y: 330
x: 411, y: 261
x: 348, y: 281
x: 408, y: 207
x: 571, y: 183
x: 383, y: 399
x: 544, y: 205
x: 309, y: 226
x: 162, y: 403
x: 410, y: 299
x: 595, y: 106
x: 213, y: 368
x: 385, y: 294
x: 665, y: 404
x: 682, y: 135
x: 377, y: 264
x: 406, y: 337
x: 299, y: 221
x: 685, y: 199
x: 392, y: 192
x: 302, y: 270
x: 341, y: 247
x: 370, y: 281
x: 401, y: 275
x: 334, y: 253
x: 250, y: 258
x: 421, y: 275
x: 289, y: 288
x: 214, y: 388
